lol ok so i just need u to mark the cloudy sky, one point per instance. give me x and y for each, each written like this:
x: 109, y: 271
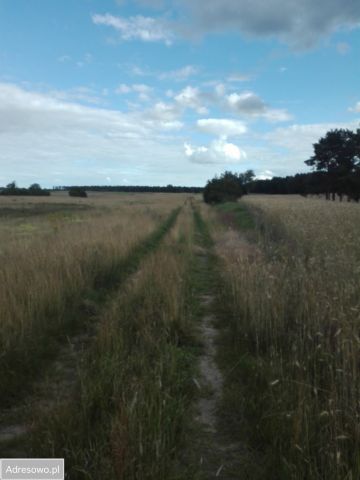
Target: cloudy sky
x: 171, y: 91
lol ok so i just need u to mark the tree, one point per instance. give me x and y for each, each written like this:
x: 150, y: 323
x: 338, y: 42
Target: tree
x: 35, y: 186
x: 246, y: 178
x: 11, y: 185
x: 226, y: 188
x: 337, y: 154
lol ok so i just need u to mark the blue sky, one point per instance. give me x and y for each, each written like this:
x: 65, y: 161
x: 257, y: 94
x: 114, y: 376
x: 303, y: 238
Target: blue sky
x: 157, y: 92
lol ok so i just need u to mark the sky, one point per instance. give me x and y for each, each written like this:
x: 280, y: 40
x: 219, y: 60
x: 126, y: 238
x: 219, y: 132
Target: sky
x: 157, y: 92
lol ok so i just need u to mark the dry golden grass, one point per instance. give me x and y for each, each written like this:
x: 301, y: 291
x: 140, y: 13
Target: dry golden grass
x: 135, y: 384
x: 294, y: 298
x: 62, y: 255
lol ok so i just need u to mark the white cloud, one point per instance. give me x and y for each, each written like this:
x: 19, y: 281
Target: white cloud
x: 62, y: 141
x: 79, y: 94
x: 190, y: 97
x: 180, y: 74
x: 171, y: 125
x: 221, y: 126
x: 218, y: 152
x: 265, y: 175
x: 165, y: 112
x: 301, y: 23
x: 355, y: 108
x: 143, y: 91
x: 147, y: 29
x: 296, y: 141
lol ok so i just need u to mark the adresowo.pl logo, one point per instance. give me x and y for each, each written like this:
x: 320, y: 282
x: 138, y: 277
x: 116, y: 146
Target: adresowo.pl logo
x: 32, y: 469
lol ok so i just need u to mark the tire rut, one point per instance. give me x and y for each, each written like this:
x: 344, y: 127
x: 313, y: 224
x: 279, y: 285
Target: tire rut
x: 59, y: 381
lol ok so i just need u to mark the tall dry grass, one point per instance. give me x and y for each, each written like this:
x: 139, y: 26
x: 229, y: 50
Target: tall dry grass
x: 45, y: 277
x: 127, y: 419
x: 293, y: 305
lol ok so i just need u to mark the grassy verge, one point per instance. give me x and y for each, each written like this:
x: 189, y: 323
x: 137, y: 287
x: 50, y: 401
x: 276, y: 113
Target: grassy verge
x: 20, y: 363
x: 128, y: 417
x: 236, y: 215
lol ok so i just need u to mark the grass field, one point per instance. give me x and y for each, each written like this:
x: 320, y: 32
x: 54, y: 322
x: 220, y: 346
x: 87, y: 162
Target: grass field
x: 114, y: 308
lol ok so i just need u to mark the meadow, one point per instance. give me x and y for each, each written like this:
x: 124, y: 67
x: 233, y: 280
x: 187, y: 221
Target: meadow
x: 105, y: 306
x: 57, y: 258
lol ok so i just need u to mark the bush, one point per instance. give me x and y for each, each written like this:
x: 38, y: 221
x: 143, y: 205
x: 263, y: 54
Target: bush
x: 228, y: 187
x: 77, y: 192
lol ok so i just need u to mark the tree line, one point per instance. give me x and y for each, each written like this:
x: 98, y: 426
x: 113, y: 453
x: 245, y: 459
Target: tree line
x: 336, y: 171
x: 34, y: 190
x: 133, y: 188
x: 80, y: 190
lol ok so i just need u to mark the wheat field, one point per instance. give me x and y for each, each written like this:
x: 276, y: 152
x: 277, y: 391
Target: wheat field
x: 293, y: 282
x: 102, y: 335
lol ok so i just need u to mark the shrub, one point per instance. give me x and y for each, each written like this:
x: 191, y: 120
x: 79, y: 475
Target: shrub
x: 228, y: 187
x: 77, y: 192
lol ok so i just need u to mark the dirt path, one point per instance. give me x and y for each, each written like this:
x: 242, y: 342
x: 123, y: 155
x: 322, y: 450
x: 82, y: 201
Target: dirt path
x: 215, y: 452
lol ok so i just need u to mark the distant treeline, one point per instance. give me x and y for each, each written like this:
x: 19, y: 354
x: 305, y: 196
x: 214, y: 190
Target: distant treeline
x: 315, y: 183
x: 33, y: 190
x: 133, y: 189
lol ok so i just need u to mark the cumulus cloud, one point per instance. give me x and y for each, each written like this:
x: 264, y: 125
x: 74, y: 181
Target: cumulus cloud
x: 218, y: 152
x: 221, y: 127
x: 248, y: 103
x: 147, y: 29
x: 191, y: 97
x: 244, y: 103
x: 165, y: 115
x: 300, y: 23
x: 165, y: 112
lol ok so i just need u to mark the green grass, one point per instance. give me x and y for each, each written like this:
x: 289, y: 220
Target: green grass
x: 202, y: 230
x: 236, y: 213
